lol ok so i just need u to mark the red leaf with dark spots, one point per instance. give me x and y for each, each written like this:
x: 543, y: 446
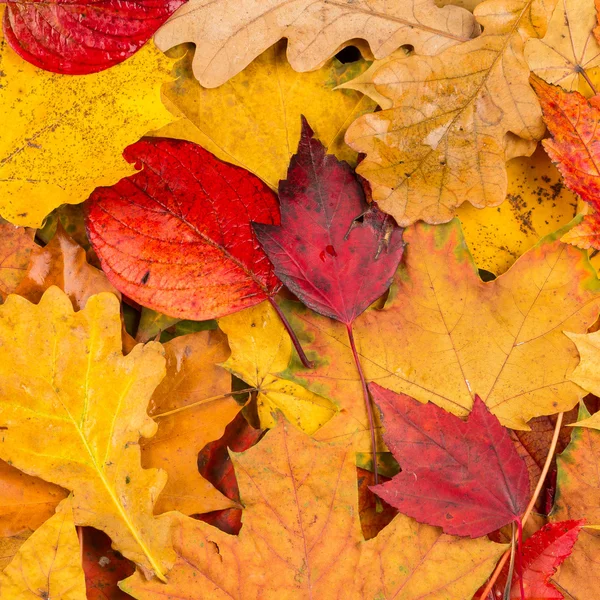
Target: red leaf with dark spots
x: 543, y: 553
x: 463, y: 476
x: 337, y: 254
x: 215, y: 465
x: 75, y: 37
x: 176, y: 237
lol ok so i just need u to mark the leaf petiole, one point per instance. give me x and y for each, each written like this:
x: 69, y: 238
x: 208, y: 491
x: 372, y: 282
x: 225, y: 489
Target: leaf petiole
x: 303, y: 358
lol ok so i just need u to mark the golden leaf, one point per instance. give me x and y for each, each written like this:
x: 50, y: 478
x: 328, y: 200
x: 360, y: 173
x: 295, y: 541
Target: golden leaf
x: 72, y: 410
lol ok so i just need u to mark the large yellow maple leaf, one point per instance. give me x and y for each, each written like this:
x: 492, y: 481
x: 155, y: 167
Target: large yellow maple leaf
x: 72, y: 410
x: 63, y: 135
x: 455, y: 118
x: 301, y: 538
x: 444, y: 335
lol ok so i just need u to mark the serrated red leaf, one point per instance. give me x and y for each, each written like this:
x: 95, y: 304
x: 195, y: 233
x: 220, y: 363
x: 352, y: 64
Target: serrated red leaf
x: 333, y: 251
x: 176, y: 237
x: 543, y: 553
x: 573, y: 122
x: 463, y: 476
x: 76, y: 37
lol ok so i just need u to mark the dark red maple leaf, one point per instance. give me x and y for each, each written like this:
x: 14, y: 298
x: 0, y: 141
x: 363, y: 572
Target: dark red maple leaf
x: 463, y: 476
x: 543, y: 553
x: 75, y: 37
x: 334, y: 251
x: 214, y: 464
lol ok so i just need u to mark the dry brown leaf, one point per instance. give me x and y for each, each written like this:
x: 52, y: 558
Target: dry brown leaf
x: 229, y: 34
x: 15, y: 250
x: 456, y: 119
x: 568, y: 50
x: 191, y: 411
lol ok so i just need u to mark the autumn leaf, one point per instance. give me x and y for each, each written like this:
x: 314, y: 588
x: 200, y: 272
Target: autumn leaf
x: 575, y: 149
x: 260, y: 350
x: 543, y: 553
x: 463, y: 476
x: 83, y: 37
x: 456, y: 118
x: 63, y: 372
x: 192, y: 407
x: 578, y: 497
x: 66, y: 134
x: 139, y: 226
x: 16, y: 245
x: 254, y: 120
x: 48, y: 564
x: 228, y: 40
x: 9, y: 546
x: 26, y: 501
x: 301, y: 538
x: 568, y: 51
x: 444, y: 335
x: 63, y: 263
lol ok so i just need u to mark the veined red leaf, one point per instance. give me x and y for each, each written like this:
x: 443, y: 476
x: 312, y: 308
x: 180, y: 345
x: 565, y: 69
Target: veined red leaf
x: 337, y: 254
x: 75, y: 37
x: 176, y: 236
x: 543, y: 553
x: 575, y: 149
x: 463, y: 476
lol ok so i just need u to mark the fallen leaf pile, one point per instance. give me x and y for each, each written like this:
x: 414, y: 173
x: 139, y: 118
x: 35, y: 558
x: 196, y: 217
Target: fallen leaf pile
x: 299, y: 300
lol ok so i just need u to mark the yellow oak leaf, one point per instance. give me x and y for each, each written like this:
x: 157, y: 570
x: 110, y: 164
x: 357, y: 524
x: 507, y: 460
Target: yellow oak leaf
x: 578, y: 497
x: 26, y: 501
x: 16, y: 245
x: 229, y: 34
x: 67, y: 133
x: 260, y: 349
x: 569, y: 49
x: 444, y: 335
x: 301, y: 538
x: 48, y: 564
x: 254, y: 119
x: 192, y: 409
x: 456, y: 118
x: 72, y: 410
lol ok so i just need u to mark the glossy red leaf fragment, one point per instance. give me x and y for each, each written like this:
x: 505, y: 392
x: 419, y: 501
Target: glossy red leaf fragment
x: 543, y: 553
x: 76, y: 37
x: 333, y: 250
x: 463, y: 476
x: 176, y: 236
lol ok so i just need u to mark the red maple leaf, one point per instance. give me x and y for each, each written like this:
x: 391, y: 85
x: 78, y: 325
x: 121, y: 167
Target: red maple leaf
x: 87, y: 36
x: 463, y: 476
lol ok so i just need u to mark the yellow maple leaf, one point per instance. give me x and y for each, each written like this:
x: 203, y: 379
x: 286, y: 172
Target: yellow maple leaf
x: 72, y: 410
x: 456, y: 118
x: 569, y: 49
x: 67, y: 133
x: 260, y: 349
x: 48, y: 564
x: 444, y: 335
x: 229, y: 37
x: 301, y: 538
x: 254, y: 119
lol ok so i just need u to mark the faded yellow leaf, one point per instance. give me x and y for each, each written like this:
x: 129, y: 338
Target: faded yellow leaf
x: 230, y: 35
x: 537, y: 203
x: 569, y: 48
x: 72, y: 410
x: 260, y: 349
x: 48, y: 564
x: 253, y: 120
x: 456, y: 118
x: 444, y: 335
x: 67, y: 133
x: 301, y: 538
x: 191, y: 411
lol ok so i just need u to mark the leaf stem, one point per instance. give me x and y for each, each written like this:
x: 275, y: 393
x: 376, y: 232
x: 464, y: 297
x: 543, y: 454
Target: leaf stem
x: 584, y: 74
x: 367, y: 399
x: 205, y: 401
x: 511, y: 564
x: 303, y: 358
x: 520, y: 556
x: 536, y: 493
